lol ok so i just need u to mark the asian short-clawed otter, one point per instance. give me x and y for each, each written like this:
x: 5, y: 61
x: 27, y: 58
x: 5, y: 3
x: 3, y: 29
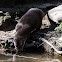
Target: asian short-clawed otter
x: 28, y: 23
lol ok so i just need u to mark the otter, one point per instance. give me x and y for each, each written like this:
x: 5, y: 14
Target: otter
x: 28, y: 23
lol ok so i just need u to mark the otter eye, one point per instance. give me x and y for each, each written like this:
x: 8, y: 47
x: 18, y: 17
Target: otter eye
x: 45, y: 24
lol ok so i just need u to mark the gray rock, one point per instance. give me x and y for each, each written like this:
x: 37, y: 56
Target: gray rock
x: 55, y: 14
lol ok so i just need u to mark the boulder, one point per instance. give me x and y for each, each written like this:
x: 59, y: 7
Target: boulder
x: 55, y: 14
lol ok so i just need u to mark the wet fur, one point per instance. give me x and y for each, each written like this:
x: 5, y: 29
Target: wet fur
x: 28, y: 23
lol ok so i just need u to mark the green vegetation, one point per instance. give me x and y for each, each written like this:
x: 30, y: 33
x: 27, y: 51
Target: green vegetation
x: 59, y: 27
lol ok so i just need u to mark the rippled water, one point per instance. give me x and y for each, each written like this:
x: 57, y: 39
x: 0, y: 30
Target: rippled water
x: 31, y: 57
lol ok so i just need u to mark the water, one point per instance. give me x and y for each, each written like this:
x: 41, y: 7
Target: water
x: 30, y: 57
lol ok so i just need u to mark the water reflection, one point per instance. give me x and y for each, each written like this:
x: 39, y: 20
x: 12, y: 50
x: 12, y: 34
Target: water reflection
x: 28, y: 57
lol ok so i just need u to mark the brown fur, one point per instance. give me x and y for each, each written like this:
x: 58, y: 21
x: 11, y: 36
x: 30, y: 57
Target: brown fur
x: 28, y: 23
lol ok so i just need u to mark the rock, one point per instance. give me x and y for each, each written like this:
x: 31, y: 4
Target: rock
x: 6, y: 22
x: 60, y: 38
x: 55, y: 14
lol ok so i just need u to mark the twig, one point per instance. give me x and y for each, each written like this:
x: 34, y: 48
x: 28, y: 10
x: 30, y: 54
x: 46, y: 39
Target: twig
x: 60, y: 52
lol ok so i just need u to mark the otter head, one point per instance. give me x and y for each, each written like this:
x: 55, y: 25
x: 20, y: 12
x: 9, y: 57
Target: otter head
x: 19, y: 43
